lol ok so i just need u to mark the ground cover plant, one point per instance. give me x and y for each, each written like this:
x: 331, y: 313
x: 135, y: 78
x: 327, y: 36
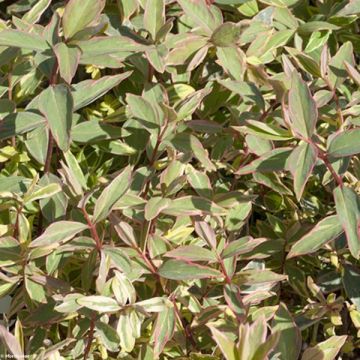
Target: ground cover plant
x: 180, y: 179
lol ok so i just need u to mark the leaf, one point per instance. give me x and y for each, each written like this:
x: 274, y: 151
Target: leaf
x: 326, y: 230
x: 125, y: 332
x: 68, y: 59
x: 227, y: 34
x: 24, y: 40
x: 11, y: 343
x: 350, y: 279
x: 99, y: 303
x: 348, y: 210
x: 337, y: 71
x: 43, y: 193
x: 344, y: 143
x: 325, y: 350
x: 249, y: 92
x: 233, y: 61
x: 264, y: 131
x: 302, y: 107
x: 119, y: 258
x: 95, y: 131
x: 274, y: 160
x: 79, y: 14
x: 254, y: 276
x: 179, y: 270
x: 241, y: 246
x: 87, y: 91
x: 143, y: 111
x: 20, y: 123
x: 226, y: 345
x: 289, y: 345
x: 191, y: 253
x: 111, y: 194
x: 192, y: 205
x: 58, y: 232
x: 189, y: 143
x: 200, y: 13
x: 54, y: 208
x: 154, y: 16
x: 107, y: 335
x: 34, y: 14
x: 155, y: 206
x: 163, y: 330
x: 56, y: 103
x: 302, y: 160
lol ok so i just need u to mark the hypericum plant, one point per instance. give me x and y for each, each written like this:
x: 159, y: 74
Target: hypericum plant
x: 180, y: 179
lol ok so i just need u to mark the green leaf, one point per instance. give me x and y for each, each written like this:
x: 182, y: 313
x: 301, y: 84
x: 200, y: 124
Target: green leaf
x: 20, y: 123
x: 264, y: 131
x: 42, y: 193
x: 179, y: 270
x: 24, y: 40
x: 255, y: 276
x: 200, y: 13
x: 348, y: 210
x: 163, y: 330
x: 192, y: 253
x: 249, y: 92
x: 226, y: 345
x: 337, y: 71
x: 302, y: 161
x: 289, y: 345
x: 232, y: 59
x: 344, y: 143
x: 11, y: 343
x: 326, y: 230
x: 143, y: 111
x: 155, y: 206
x: 68, y: 59
x: 274, y: 160
x: 192, y: 205
x: 351, y: 281
x: 241, y: 246
x: 154, y: 16
x: 9, y: 251
x: 99, y: 303
x: 227, y: 34
x: 56, y: 103
x: 79, y: 14
x: 325, y: 350
x: 190, y: 143
x: 87, y: 91
x: 58, y: 232
x: 94, y: 131
x: 34, y: 14
x: 111, y: 194
x: 107, y: 335
x: 119, y: 258
x: 302, y: 107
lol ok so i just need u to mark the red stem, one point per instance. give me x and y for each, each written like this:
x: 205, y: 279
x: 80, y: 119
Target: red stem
x: 92, y: 228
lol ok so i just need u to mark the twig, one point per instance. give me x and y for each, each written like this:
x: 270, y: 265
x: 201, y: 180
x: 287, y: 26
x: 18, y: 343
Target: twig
x: 90, y: 337
x: 92, y: 228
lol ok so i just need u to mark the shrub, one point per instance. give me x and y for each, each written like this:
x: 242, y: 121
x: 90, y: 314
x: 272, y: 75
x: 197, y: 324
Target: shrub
x: 180, y: 179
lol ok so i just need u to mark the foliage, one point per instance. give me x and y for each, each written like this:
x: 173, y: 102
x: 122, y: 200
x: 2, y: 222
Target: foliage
x: 180, y: 179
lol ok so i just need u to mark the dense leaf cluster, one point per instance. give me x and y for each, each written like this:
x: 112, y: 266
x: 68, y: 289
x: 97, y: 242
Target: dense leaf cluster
x: 180, y: 179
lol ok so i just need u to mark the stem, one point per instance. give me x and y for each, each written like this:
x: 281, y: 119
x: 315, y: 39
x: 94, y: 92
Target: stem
x: 90, y: 337
x: 187, y: 328
x: 52, y: 81
x: 327, y: 163
x: 49, y: 154
x: 93, y: 230
x: 10, y: 97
